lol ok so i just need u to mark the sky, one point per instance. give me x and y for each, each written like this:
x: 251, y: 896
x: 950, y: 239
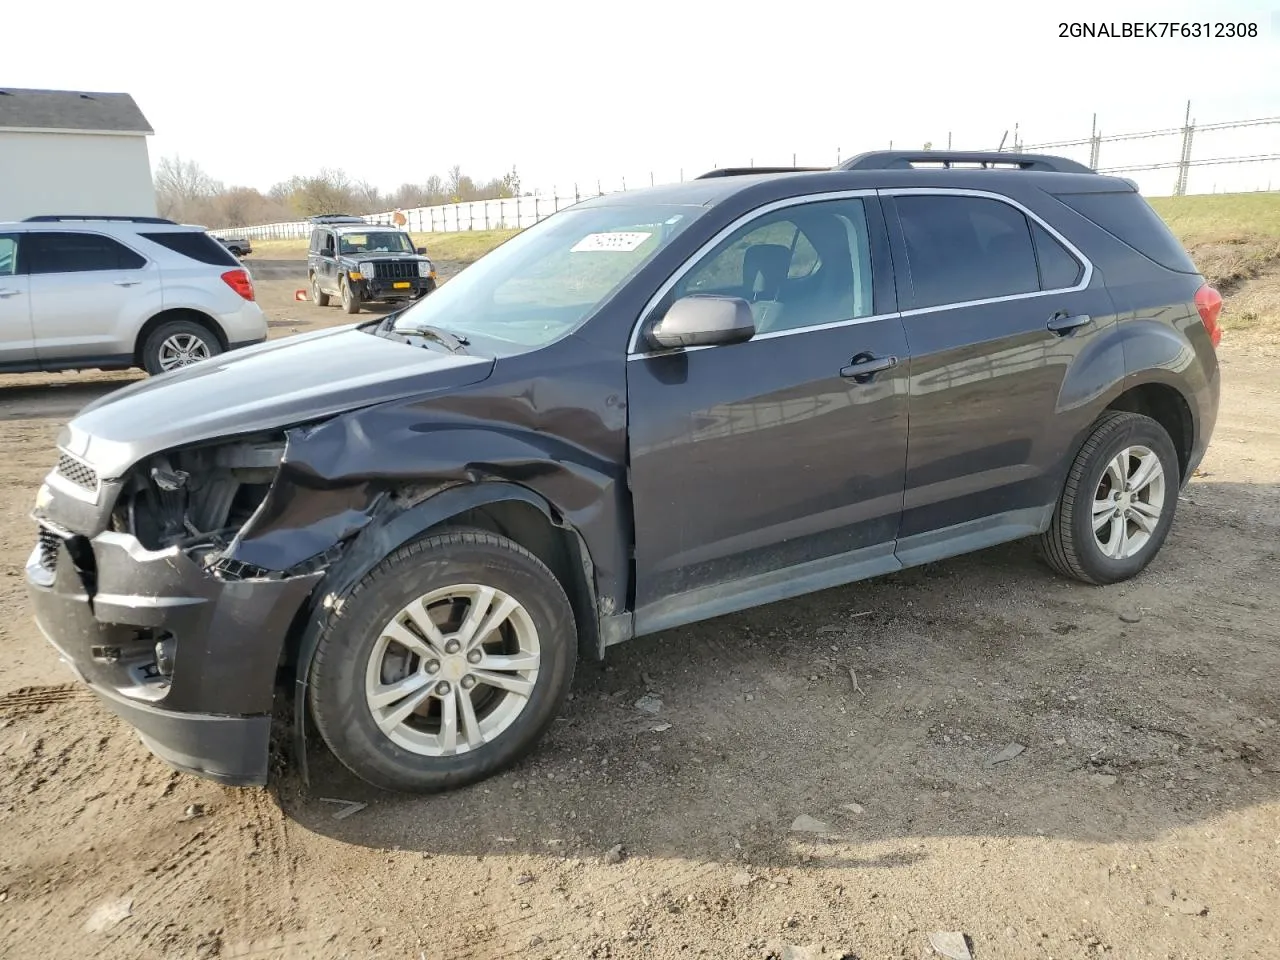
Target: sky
x: 569, y: 91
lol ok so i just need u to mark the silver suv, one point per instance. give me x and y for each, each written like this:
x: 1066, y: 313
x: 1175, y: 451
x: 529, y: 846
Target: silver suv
x: 82, y: 292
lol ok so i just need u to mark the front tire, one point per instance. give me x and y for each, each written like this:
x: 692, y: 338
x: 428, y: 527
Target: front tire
x: 445, y: 665
x: 177, y: 344
x: 350, y: 300
x: 1118, y: 502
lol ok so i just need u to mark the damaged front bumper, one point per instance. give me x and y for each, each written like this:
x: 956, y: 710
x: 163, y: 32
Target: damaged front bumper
x: 187, y: 657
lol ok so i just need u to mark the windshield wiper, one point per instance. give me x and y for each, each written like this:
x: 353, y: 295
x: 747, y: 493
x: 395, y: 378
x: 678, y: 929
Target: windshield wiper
x: 453, y: 342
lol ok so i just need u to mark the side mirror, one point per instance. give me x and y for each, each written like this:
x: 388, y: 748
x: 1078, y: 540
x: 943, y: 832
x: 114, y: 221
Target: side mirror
x: 422, y: 251
x: 703, y: 321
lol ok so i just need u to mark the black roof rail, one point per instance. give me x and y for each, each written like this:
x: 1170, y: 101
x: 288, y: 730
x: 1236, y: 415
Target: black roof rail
x: 748, y: 171
x: 336, y: 218
x: 59, y: 218
x: 907, y: 159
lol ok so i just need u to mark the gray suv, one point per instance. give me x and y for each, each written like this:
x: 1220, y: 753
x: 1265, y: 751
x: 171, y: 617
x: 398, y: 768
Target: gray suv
x: 651, y: 408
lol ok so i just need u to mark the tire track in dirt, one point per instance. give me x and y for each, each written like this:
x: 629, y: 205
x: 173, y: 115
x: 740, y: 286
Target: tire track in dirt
x: 26, y: 699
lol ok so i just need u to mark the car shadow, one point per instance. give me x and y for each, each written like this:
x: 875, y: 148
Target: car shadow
x: 891, y: 711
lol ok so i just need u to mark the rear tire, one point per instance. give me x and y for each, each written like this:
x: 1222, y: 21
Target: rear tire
x: 350, y: 301
x: 382, y: 684
x: 177, y: 344
x: 1118, y: 502
x: 319, y: 296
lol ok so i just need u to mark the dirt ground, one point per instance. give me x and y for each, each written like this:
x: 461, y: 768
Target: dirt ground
x: 1142, y: 819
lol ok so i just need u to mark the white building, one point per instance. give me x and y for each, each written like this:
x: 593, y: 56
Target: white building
x: 66, y: 152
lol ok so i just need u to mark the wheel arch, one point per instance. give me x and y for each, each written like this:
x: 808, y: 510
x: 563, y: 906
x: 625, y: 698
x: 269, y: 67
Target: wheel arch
x: 1167, y: 406
x: 176, y: 313
x: 508, y: 509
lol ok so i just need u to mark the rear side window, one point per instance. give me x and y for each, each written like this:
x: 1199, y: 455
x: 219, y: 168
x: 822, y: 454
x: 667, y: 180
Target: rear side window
x: 79, y: 253
x: 1058, y: 268
x: 196, y: 245
x: 1129, y: 218
x: 966, y: 248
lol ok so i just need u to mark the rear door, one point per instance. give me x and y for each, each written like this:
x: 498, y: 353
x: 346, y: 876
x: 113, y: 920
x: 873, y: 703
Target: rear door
x: 772, y: 467
x: 997, y: 306
x: 17, y: 343
x: 87, y: 293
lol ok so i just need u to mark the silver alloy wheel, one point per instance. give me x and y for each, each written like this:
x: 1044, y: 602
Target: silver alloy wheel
x: 1128, y: 502
x: 453, y: 670
x: 182, y: 349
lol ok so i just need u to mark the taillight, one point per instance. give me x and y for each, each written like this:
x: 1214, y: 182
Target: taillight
x: 240, y: 282
x: 1209, y: 303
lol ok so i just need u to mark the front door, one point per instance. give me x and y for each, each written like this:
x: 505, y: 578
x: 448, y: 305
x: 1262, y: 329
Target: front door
x: 768, y: 468
x: 17, y: 343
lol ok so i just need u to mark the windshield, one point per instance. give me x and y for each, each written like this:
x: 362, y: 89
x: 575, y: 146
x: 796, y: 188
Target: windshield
x: 380, y: 241
x: 542, y: 283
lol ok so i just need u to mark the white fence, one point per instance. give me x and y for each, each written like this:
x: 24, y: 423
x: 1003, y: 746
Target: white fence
x: 1244, y: 157
x: 508, y: 213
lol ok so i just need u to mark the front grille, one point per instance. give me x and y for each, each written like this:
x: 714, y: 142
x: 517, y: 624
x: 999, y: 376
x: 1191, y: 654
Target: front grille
x: 395, y: 270
x: 78, y: 472
x: 229, y: 569
x: 49, y: 543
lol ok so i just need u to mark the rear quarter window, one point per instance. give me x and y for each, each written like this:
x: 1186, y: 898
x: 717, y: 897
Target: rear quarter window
x: 1129, y: 218
x: 195, y: 246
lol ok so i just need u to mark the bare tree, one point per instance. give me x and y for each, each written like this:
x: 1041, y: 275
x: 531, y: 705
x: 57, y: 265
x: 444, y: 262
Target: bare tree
x: 181, y: 185
x: 184, y: 190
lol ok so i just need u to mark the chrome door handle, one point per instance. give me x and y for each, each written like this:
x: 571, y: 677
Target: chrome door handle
x: 126, y: 283
x: 864, y: 367
x: 9, y: 293
x: 1062, y: 324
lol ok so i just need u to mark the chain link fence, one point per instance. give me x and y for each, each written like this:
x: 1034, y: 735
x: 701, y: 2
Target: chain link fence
x: 1163, y: 161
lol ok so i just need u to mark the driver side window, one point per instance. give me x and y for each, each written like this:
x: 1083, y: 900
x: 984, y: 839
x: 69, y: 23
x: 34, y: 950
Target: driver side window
x: 801, y: 266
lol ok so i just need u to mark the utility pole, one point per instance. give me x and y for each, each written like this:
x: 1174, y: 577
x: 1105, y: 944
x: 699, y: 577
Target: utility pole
x: 1184, y: 164
x: 1095, y: 144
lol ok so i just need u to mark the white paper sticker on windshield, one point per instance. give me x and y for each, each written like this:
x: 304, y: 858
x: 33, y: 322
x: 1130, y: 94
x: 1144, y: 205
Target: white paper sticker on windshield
x: 612, y: 242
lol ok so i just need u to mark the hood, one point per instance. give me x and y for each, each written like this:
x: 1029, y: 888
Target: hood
x: 269, y: 386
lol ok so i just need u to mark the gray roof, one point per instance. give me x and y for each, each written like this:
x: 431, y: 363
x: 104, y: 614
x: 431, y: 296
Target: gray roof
x: 71, y: 110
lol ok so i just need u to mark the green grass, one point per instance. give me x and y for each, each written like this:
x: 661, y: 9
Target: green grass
x: 1235, y: 241
x: 1217, y: 218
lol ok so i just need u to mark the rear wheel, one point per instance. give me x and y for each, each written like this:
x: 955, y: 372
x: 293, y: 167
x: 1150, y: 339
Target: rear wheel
x: 1118, y: 502
x: 446, y: 664
x: 176, y: 344
x: 350, y: 301
x: 319, y: 296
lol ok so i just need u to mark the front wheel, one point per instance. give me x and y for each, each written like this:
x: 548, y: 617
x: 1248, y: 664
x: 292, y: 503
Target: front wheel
x: 1118, y: 502
x: 350, y: 299
x: 446, y: 664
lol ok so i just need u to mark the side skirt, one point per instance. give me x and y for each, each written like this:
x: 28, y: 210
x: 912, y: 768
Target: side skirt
x: 800, y: 579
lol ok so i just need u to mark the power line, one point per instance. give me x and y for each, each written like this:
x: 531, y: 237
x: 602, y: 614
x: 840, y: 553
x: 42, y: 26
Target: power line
x: 1153, y: 134
x: 1262, y: 158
